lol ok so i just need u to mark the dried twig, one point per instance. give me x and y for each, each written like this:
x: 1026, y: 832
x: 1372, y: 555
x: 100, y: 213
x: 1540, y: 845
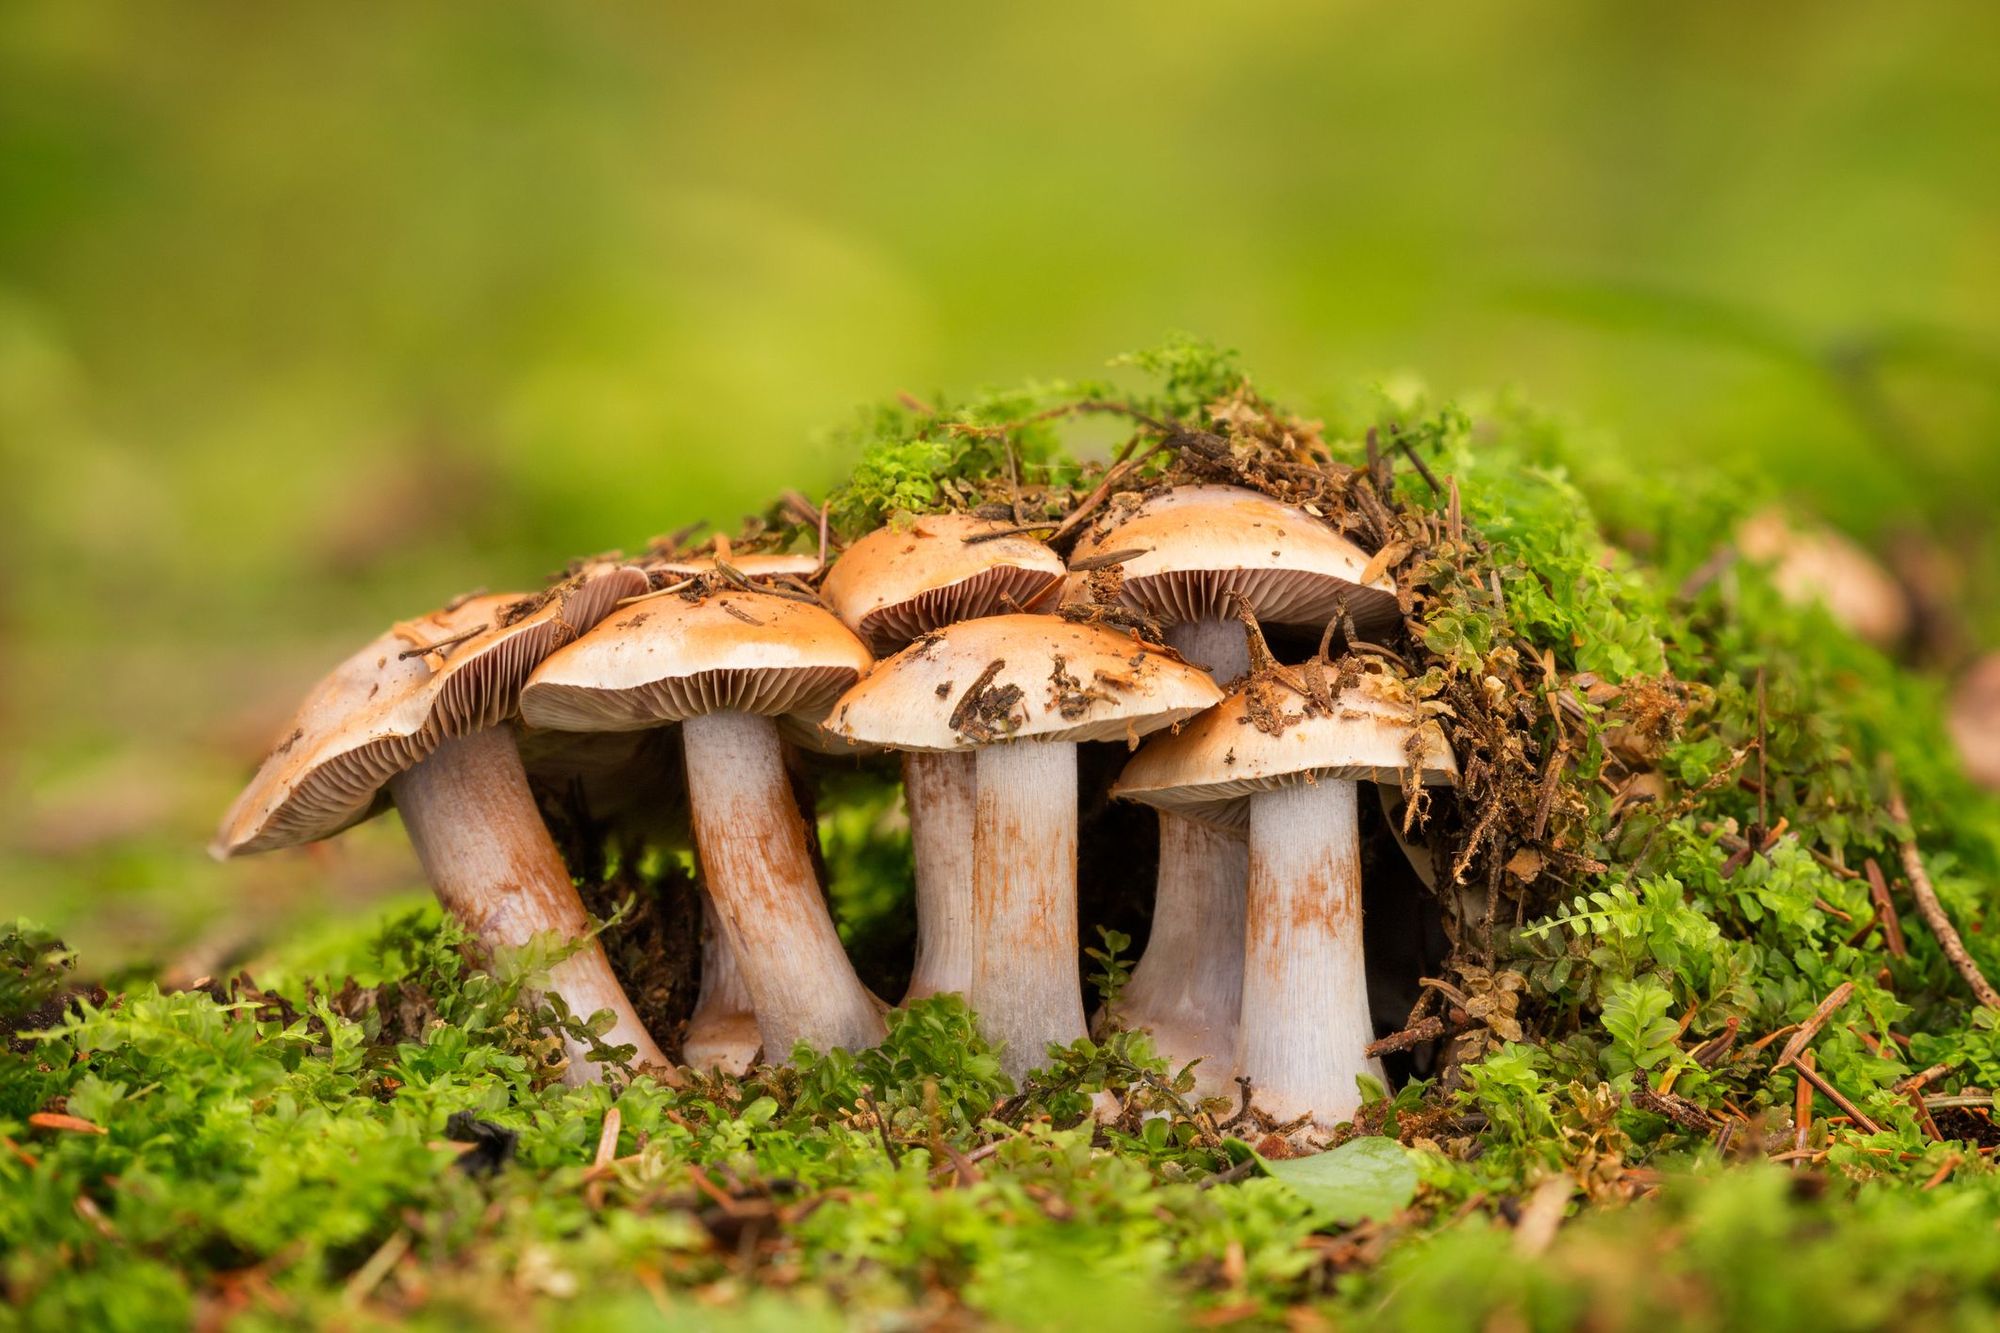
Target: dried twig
x: 1932, y: 910
x: 426, y: 649
x: 1810, y: 1028
x: 1856, y: 1114
x: 1885, y: 911
x: 1429, y: 1029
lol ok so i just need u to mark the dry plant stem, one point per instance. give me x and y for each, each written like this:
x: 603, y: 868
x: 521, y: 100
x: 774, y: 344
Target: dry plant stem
x: 1025, y: 984
x: 1188, y: 985
x: 1933, y: 912
x: 752, y: 845
x: 938, y: 789
x: 489, y: 857
x: 1305, y: 1026
x: 1188, y: 988
x: 722, y: 1032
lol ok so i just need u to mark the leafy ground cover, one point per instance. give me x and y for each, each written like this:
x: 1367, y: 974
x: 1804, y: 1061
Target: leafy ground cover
x: 1705, y: 1053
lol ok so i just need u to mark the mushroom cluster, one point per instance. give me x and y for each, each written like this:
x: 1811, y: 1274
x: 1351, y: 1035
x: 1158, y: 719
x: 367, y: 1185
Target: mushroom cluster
x: 982, y: 660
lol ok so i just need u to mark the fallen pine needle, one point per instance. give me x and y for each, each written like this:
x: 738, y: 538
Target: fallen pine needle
x: 1932, y: 910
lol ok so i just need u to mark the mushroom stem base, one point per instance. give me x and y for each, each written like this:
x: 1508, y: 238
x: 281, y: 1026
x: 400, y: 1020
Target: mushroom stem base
x: 490, y: 859
x: 1188, y: 987
x: 1025, y: 985
x: 722, y: 1033
x: 1305, y: 1023
x: 938, y: 789
x: 752, y: 844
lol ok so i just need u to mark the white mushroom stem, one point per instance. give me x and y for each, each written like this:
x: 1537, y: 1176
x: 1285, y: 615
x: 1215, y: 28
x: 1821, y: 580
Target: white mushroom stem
x: 938, y: 789
x: 1188, y: 988
x: 490, y: 859
x: 1219, y: 647
x: 1305, y: 988
x: 722, y: 1033
x: 752, y: 844
x: 1025, y: 984
x: 1188, y: 985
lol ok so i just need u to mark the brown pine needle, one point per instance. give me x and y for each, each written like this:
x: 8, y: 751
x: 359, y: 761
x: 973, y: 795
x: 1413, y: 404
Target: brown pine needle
x: 1932, y: 910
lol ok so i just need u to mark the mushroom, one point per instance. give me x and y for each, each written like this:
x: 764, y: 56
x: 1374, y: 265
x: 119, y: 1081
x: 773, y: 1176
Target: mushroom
x: 1289, y: 779
x: 420, y: 717
x: 1187, y: 555
x: 1022, y: 691
x: 632, y: 782
x: 725, y: 665
x: 889, y: 587
x: 1816, y: 564
x: 1973, y: 720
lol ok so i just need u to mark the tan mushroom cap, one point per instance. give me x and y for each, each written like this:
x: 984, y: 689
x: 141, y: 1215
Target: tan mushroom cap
x: 1818, y: 564
x: 899, y: 582
x: 388, y: 706
x: 1375, y: 733
x: 666, y: 659
x: 1194, y: 545
x: 755, y: 566
x: 1015, y: 677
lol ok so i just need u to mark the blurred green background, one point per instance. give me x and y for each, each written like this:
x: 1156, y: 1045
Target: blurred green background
x: 311, y: 316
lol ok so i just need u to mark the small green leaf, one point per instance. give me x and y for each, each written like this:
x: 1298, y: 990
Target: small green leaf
x: 1362, y: 1178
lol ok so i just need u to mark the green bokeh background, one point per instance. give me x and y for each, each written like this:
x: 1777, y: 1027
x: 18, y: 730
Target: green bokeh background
x: 311, y: 316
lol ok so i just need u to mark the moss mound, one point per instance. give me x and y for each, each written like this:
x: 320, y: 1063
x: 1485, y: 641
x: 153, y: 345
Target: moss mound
x: 1691, y: 1037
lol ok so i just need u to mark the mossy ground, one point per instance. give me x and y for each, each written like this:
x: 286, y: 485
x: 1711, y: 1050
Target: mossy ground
x: 1676, y: 785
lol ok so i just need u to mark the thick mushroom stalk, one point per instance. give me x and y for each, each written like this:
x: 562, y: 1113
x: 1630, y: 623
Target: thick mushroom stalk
x: 488, y: 855
x: 722, y: 1032
x: 938, y: 788
x: 1304, y: 977
x: 1187, y: 988
x: 752, y: 844
x: 1027, y: 991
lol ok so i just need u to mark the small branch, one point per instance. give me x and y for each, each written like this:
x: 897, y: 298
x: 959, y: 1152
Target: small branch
x: 425, y: 650
x: 1680, y: 1110
x: 1805, y: 1071
x: 1410, y: 452
x: 1243, y: 1170
x: 1932, y: 910
x: 1919, y: 1081
x: 1810, y: 1028
x: 1429, y: 1029
x: 1885, y: 911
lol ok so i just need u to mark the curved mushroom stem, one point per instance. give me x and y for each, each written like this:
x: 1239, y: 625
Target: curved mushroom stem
x: 1305, y: 989
x: 938, y: 789
x: 490, y: 859
x: 1025, y: 984
x: 1188, y: 987
x: 752, y: 845
x: 722, y: 1033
